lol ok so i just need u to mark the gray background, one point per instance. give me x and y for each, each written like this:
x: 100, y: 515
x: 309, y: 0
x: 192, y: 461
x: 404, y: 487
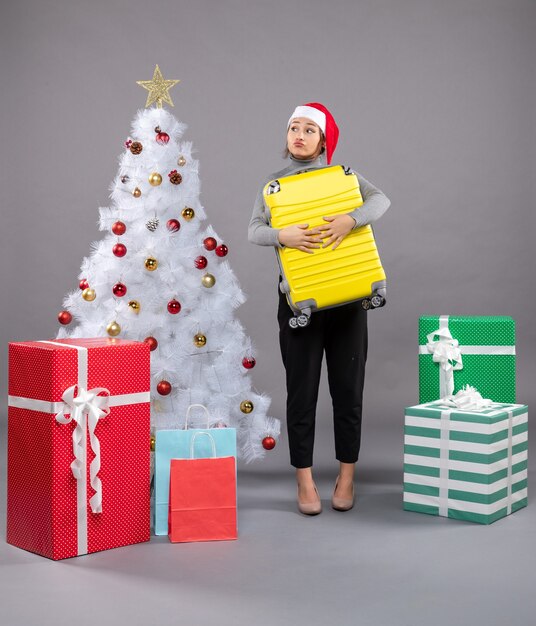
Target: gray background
x: 435, y: 102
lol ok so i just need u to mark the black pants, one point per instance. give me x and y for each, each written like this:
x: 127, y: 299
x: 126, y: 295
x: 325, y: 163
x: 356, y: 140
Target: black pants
x: 342, y: 333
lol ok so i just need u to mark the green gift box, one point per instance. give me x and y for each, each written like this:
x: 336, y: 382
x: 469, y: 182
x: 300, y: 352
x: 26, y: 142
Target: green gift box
x: 455, y: 351
x: 467, y: 465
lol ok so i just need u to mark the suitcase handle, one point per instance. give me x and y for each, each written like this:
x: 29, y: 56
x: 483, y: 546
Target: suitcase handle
x: 273, y: 187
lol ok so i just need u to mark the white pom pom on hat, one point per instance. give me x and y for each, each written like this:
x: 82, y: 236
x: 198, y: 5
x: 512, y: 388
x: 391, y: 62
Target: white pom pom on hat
x: 320, y: 115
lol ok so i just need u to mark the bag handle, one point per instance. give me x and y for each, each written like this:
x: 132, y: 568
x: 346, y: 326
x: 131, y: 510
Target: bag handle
x: 199, y: 434
x: 202, y: 406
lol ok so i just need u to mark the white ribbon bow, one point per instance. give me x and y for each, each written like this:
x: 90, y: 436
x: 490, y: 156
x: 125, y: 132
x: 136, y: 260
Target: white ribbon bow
x: 95, y: 406
x: 446, y: 352
x: 467, y: 399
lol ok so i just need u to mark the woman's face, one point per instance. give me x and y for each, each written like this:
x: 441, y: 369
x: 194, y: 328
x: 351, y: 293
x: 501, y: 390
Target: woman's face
x: 304, y: 139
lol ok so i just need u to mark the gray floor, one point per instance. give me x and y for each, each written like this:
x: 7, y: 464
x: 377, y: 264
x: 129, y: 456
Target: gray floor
x: 376, y: 565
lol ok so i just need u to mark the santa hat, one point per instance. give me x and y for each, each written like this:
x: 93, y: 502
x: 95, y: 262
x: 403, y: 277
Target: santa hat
x: 321, y: 116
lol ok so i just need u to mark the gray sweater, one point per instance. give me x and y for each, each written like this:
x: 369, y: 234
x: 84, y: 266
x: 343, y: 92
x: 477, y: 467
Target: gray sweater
x: 375, y: 203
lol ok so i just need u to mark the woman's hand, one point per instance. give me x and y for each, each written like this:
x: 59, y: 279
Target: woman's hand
x: 299, y: 237
x: 336, y: 229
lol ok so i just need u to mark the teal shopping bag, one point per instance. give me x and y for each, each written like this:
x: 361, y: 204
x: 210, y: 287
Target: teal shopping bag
x: 175, y: 444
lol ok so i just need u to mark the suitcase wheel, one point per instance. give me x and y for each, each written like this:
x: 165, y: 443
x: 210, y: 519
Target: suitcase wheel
x: 293, y: 322
x: 303, y: 321
x: 365, y: 303
x: 377, y: 301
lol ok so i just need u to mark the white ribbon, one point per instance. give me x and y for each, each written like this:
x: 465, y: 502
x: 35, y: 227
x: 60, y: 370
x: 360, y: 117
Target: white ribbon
x: 509, y: 470
x: 85, y: 408
x: 444, y: 463
x: 479, y: 350
x: 446, y: 352
x: 43, y: 406
x: 467, y: 399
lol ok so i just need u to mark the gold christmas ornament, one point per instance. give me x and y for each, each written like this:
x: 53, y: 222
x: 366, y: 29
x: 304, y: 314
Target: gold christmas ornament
x: 208, y: 280
x: 188, y: 213
x: 153, y: 443
x: 155, y: 179
x: 89, y: 295
x: 135, y: 306
x: 200, y: 340
x: 246, y: 406
x: 113, y: 329
x: 158, y: 89
x: 181, y: 161
x: 151, y: 264
x: 137, y: 192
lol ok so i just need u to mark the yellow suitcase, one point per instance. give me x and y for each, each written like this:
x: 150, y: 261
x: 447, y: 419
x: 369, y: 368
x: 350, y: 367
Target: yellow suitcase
x: 326, y: 278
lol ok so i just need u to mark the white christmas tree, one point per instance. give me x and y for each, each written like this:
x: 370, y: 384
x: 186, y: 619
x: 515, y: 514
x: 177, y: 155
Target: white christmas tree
x: 162, y: 276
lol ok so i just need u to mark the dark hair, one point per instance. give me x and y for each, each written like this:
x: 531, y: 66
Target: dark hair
x: 286, y: 151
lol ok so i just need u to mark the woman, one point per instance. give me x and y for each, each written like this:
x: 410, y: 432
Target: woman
x: 341, y: 332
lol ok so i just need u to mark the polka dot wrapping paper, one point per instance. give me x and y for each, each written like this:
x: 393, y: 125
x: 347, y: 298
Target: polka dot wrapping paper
x: 487, y: 352
x: 50, y: 511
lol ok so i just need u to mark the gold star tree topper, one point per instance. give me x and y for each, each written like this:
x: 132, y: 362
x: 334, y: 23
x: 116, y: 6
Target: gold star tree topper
x: 158, y: 89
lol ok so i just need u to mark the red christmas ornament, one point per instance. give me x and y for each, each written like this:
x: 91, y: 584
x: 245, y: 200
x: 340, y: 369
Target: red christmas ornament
x: 119, y: 228
x: 119, y: 249
x: 153, y: 343
x: 163, y: 388
x: 173, y: 225
x: 83, y: 284
x: 174, y: 307
x: 119, y: 290
x: 201, y: 262
x: 64, y: 317
x: 268, y: 443
x: 248, y: 362
x: 222, y: 250
x: 162, y: 138
x: 210, y: 243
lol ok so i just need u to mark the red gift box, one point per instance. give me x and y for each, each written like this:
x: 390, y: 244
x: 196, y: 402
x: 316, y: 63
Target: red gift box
x: 78, y: 445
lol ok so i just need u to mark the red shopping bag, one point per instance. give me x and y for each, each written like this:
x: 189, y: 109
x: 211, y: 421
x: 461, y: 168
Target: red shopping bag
x: 202, y: 497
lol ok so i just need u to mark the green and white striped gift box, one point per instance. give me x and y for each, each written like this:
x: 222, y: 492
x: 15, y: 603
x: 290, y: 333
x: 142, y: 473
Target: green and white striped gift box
x: 467, y: 465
